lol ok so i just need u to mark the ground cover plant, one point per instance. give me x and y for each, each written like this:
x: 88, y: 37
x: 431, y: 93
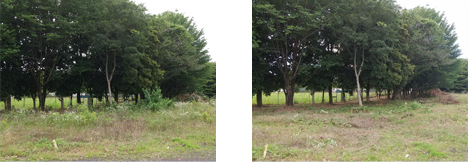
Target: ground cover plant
x: 421, y: 129
x: 184, y: 131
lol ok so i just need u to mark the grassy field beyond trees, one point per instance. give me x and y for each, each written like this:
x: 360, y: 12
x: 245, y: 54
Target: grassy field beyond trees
x: 303, y: 98
x: 53, y: 102
x: 380, y: 130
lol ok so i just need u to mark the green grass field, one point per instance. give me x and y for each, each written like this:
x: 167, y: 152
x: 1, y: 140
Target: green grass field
x: 53, y: 102
x: 184, y: 132
x: 304, y: 98
x: 382, y: 130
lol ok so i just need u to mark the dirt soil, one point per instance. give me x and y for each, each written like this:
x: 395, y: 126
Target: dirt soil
x: 192, y: 156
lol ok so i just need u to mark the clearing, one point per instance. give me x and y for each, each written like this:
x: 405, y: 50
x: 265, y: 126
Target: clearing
x: 381, y: 130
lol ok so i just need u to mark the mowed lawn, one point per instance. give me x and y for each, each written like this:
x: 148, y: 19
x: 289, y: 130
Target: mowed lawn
x: 382, y: 130
x: 184, y: 132
x: 276, y: 98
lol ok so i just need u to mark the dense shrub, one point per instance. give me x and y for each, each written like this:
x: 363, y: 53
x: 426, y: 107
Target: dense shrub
x: 154, y: 101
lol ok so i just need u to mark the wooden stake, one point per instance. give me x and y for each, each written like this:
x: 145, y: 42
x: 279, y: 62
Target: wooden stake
x: 264, y: 152
x: 55, y: 144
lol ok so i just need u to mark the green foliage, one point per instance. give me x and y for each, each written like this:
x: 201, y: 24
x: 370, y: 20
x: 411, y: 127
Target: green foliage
x: 431, y: 151
x: 273, y: 32
x: 209, y: 89
x: 461, y: 84
x: 154, y: 101
x: 82, y: 118
x: 184, y: 143
x: 207, y: 118
x: 180, y: 52
x: 96, y: 44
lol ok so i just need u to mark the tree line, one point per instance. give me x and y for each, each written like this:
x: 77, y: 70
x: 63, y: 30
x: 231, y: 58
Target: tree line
x: 353, y: 44
x: 101, y: 47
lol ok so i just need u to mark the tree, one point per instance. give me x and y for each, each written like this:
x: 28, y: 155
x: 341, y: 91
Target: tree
x: 432, y: 50
x: 181, y: 54
x: 265, y: 77
x: 44, y: 30
x: 11, y: 73
x: 289, y: 40
x: 209, y: 89
x: 461, y: 84
x: 117, y: 36
x: 364, y: 30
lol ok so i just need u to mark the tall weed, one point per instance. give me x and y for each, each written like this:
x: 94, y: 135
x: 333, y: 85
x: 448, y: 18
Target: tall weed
x: 154, y: 101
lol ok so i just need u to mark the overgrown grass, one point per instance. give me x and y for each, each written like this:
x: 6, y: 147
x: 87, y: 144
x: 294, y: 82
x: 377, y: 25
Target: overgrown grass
x: 402, y: 130
x: 304, y: 97
x: 186, y: 131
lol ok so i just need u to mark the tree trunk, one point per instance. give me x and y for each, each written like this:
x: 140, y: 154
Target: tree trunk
x: 368, y: 92
x: 136, y: 99
x: 343, y: 99
x: 61, y: 102
x: 42, y: 98
x: 78, y: 98
x: 396, y: 93
x: 330, y: 95
x: 313, y: 97
x: 359, y: 91
x: 259, y: 98
x: 109, y: 76
x: 8, y: 103
x: 388, y: 93
x: 116, y: 96
x: 71, y: 101
x: 414, y: 94
x: 126, y: 96
x: 90, y: 101
x: 107, y: 99
x: 323, y: 96
x: 289, y: 97
x: 404, y: 92
x: 34, y: 101
x: 289, y: 91
x: 356, y: 73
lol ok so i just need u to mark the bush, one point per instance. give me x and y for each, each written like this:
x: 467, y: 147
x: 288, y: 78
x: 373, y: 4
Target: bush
x: 154, y: 101
x: 83, y: 117
x: 414, y: 105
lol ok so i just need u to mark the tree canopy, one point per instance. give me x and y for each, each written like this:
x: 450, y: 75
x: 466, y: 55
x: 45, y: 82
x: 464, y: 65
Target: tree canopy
x: 368, y: 43
x: 101, y: 47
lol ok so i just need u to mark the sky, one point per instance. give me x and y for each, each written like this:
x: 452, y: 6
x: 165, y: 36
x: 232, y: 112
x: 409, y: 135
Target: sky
x: 201, y: 11
x: 455, y: 12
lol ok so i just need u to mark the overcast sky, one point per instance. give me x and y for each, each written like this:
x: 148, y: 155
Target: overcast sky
x: 204, y: 15
x: 455, y: 12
